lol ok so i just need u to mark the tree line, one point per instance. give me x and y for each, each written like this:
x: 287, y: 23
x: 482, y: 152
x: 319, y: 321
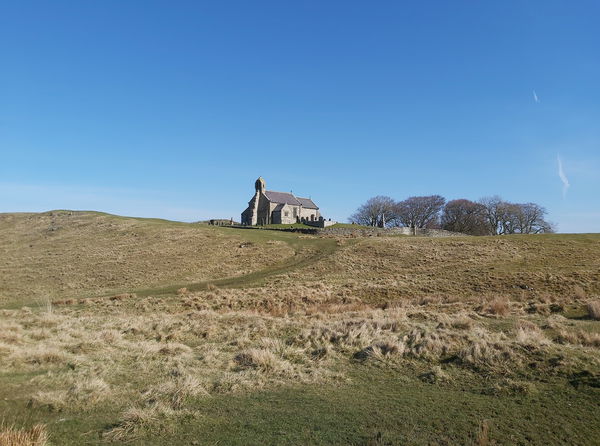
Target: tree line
x: 486, y: 216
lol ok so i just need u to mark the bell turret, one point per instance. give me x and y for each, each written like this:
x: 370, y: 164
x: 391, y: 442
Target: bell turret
x: 260, y: 185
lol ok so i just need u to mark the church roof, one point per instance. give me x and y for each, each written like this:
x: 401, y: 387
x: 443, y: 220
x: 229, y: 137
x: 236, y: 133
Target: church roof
x: 307, y: 203
x: 288, y: 198
x: 282, y: 197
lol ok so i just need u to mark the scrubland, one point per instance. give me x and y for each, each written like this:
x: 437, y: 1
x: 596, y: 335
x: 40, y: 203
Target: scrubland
x: 262, y: 337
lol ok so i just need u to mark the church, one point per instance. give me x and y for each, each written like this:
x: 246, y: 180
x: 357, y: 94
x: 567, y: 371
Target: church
x: 270, y: 207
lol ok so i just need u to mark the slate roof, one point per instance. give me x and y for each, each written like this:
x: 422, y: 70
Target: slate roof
x: 307, y: 203
x: 287, y: 198
x: 282, y: 197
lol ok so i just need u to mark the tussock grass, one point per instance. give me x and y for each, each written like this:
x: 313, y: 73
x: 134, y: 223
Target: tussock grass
x: 442, y: 310
x: 168, y: 355
x: 435, y: 375
x: 579, y: 338
x: 499, y: 305
x: 135, y: 419
x: 593, y: 308
x: 12, y: 436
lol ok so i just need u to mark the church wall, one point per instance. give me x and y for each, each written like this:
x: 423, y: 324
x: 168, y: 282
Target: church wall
x: 306, y: 213
x: 289, y: 219
x: 280, y: 217
x: 260, y: 210
x: 264, y: 211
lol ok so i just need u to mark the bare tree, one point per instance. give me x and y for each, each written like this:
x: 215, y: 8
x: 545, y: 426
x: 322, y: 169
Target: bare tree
x: 494, y: 210
x: 465, y: 216
x: 377, y: 211
x: 527, y: 218
x: 419, y: 212
x: 503, y: 217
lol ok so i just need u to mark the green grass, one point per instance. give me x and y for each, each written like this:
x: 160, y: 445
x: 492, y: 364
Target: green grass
x: 304, y: 226
x: 378, y: 403
x: 287, y: 226
x: 390, y: 404
x: 308, y: 251
x: 350, y: 225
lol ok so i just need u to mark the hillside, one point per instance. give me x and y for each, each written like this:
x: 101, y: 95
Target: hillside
x: 146, y: 331
x: 82, y: 254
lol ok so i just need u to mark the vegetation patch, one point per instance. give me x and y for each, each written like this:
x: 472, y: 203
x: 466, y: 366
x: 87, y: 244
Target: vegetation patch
x: 331, y: 346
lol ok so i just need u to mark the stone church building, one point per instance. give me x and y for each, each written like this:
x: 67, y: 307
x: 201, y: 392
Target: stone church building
x: 270, y: 207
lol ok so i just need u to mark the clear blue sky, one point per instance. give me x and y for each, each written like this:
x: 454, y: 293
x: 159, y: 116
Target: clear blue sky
x: 173, y: 108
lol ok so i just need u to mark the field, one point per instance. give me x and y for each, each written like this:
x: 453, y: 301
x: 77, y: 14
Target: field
x: 141, y: 331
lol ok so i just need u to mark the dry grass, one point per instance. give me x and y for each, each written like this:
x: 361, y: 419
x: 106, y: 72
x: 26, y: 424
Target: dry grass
x: 529, y: 334
x: 593, y: 308
x: 445, y: 307
x: 70, y: 254
x: 135, y: 418
x: 514, y: 267
x: 35, y: 436
x: 499, y: 305
x: 580, y: 337
x: 155, y: 356
x: 483, y: 434
x: 578, y: 292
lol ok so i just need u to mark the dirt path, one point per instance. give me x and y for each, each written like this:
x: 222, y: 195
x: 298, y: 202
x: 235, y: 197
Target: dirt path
x: 307, y: 251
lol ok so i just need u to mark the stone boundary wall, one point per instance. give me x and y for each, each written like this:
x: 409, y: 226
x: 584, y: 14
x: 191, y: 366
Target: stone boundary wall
x: 313, y: 231
x: 382, y: 232
x: 360, y: 231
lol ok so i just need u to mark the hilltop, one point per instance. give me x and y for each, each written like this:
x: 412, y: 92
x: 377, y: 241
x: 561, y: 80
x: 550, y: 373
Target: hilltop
x: 157, y: 332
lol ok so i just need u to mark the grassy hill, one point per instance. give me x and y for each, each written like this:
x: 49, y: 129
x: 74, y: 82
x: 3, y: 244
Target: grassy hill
x: 82, y: 254
x: 145, y: 331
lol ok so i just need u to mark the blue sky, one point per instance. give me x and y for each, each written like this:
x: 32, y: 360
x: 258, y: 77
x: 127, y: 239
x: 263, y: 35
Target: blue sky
x: 173, y: 108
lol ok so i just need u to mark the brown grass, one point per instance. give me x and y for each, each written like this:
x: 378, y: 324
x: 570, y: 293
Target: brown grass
x: 70, y: 254
x: 483, y: 434
x: 427, y: 310
x: 499, y: 306
x: 35, y: 436
x: 579, y: 292
x: 593, y: 308
x: 578, y: 338
x: 164, y: 354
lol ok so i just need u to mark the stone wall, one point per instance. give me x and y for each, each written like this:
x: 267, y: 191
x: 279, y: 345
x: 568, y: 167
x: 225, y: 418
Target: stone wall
x: 321, y: 223
x: 306, y: 213
x: 361, y: 231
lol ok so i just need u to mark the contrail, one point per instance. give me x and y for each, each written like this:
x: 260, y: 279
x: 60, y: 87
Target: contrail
x: 562, y: 176
x: 535, y: 97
